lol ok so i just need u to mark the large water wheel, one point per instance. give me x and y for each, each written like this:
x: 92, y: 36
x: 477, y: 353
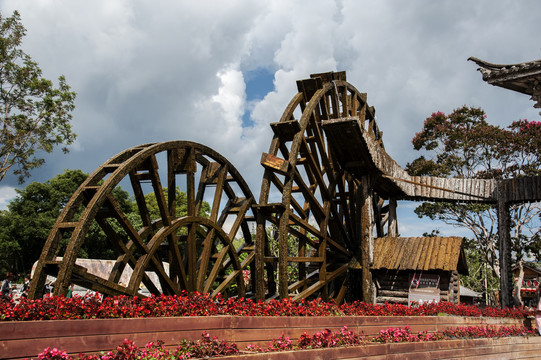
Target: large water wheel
x: 163, y: 248
x: 323, y: 209
x: 317, y: 213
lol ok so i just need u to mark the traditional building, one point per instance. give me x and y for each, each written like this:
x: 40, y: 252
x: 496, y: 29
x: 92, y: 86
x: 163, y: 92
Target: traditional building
x: 524, y: 77
x: 532, y: 277
x: 418, y: 269
x: 470, y: 297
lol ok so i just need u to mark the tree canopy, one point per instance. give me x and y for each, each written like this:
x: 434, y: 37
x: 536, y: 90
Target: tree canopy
x: 30, y: 217
x: 35, y: 115
x: 25, y: 226
x: 463, y: 144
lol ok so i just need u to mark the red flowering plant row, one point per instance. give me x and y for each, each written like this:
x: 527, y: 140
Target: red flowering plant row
x: 197, y: 304
x: 405, y: 335
x: 208, y: 347
x: 469, y: 332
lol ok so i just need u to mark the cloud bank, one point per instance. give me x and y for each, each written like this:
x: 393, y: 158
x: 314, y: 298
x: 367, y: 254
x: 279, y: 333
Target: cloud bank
x: 164, y: 70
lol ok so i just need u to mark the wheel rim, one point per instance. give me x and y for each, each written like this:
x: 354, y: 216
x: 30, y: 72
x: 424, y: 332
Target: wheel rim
x: 320, y: 199
x: 185, y: 253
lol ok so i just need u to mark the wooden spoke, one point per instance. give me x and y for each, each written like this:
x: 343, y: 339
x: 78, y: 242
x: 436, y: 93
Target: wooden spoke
x: 159, y: 249
x: 319, y: 194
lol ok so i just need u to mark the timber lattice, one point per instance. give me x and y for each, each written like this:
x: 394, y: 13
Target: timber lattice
x: 328, y: 184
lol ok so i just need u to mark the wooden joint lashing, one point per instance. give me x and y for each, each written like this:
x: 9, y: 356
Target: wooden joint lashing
x: 109, y: 168
x: 182, y: 160
x: 212, y: 173
x: 148, y: 164
x: 272, y: 208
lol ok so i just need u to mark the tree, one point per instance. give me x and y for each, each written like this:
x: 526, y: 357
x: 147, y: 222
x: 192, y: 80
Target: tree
x: 463, y: 144
x: 32, y: 214
x: 9, y: 247
x: 35, y: 115
x: 181, y: 205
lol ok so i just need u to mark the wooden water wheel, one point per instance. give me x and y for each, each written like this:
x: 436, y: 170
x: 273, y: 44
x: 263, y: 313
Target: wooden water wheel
x: 320, y: 199
x: 323, y: 198
x: 163, y: 248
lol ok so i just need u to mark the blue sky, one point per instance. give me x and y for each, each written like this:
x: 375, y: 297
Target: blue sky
x: 218, y: 72
x: 259, y: 82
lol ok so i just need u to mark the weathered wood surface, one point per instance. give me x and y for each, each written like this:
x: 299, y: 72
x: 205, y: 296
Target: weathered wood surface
x: 419, y: 253
x: 481, y: 349
x: 360, y: 152
x: 523, y: 189
x: 141, y: 247
x: 328, y: 181
x: 26, y: 339
x: 326, y: 209
x: 393, y: 286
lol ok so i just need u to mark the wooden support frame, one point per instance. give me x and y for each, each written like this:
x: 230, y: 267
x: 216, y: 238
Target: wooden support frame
x: 328, y: 185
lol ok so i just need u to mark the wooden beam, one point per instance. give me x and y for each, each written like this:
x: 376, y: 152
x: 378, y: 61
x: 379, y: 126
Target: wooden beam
x: 504, y: 226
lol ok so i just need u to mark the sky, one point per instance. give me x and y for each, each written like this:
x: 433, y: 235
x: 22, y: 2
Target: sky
x: 219, y: 72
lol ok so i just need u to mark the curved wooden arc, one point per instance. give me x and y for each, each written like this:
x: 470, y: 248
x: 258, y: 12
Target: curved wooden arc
x: 156, y: 243
x: 329, y: 187
x: 320, y: 202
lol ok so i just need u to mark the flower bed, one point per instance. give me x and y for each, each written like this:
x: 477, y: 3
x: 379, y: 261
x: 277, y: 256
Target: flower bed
x: 20, y: 339
x: 61, y: 308
x: 91, y: 325
x: 212, y: 347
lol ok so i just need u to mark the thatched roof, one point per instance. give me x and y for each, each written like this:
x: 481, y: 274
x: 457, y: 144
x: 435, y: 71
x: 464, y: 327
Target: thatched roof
x: 420, y: 253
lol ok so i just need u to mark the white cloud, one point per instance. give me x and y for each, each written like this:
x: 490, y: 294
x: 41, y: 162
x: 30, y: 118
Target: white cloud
x: 7, y: 193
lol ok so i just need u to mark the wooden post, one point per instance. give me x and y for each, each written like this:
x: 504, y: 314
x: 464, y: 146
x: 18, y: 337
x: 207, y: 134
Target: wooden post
x: 504, y: 235
x: 259, y: 254
x: 393, y: 224
x: 283, y: 275
x: 367, y: 240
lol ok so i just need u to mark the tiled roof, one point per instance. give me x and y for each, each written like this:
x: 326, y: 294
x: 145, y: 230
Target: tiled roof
x: 499, y: 72
x: 523, y: 77
x: 419, y: 253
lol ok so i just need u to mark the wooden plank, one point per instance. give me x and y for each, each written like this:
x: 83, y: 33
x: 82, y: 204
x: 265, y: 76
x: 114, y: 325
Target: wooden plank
x: 480, y: 187
x: 269, y: 209
x: 526, y: 188
x: 400, y: 249
x: 308, y: 87
x: 286, y: 130
x: 413, y: 246
x: 392, y: 253
x: 466, y: 185
x: 537, y: 188
x: 380, y: 253
x: 318, y: 285
x: 419, y: 256
x: 425, y: 265
x: 274, y: 163
x: 434, y: 253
